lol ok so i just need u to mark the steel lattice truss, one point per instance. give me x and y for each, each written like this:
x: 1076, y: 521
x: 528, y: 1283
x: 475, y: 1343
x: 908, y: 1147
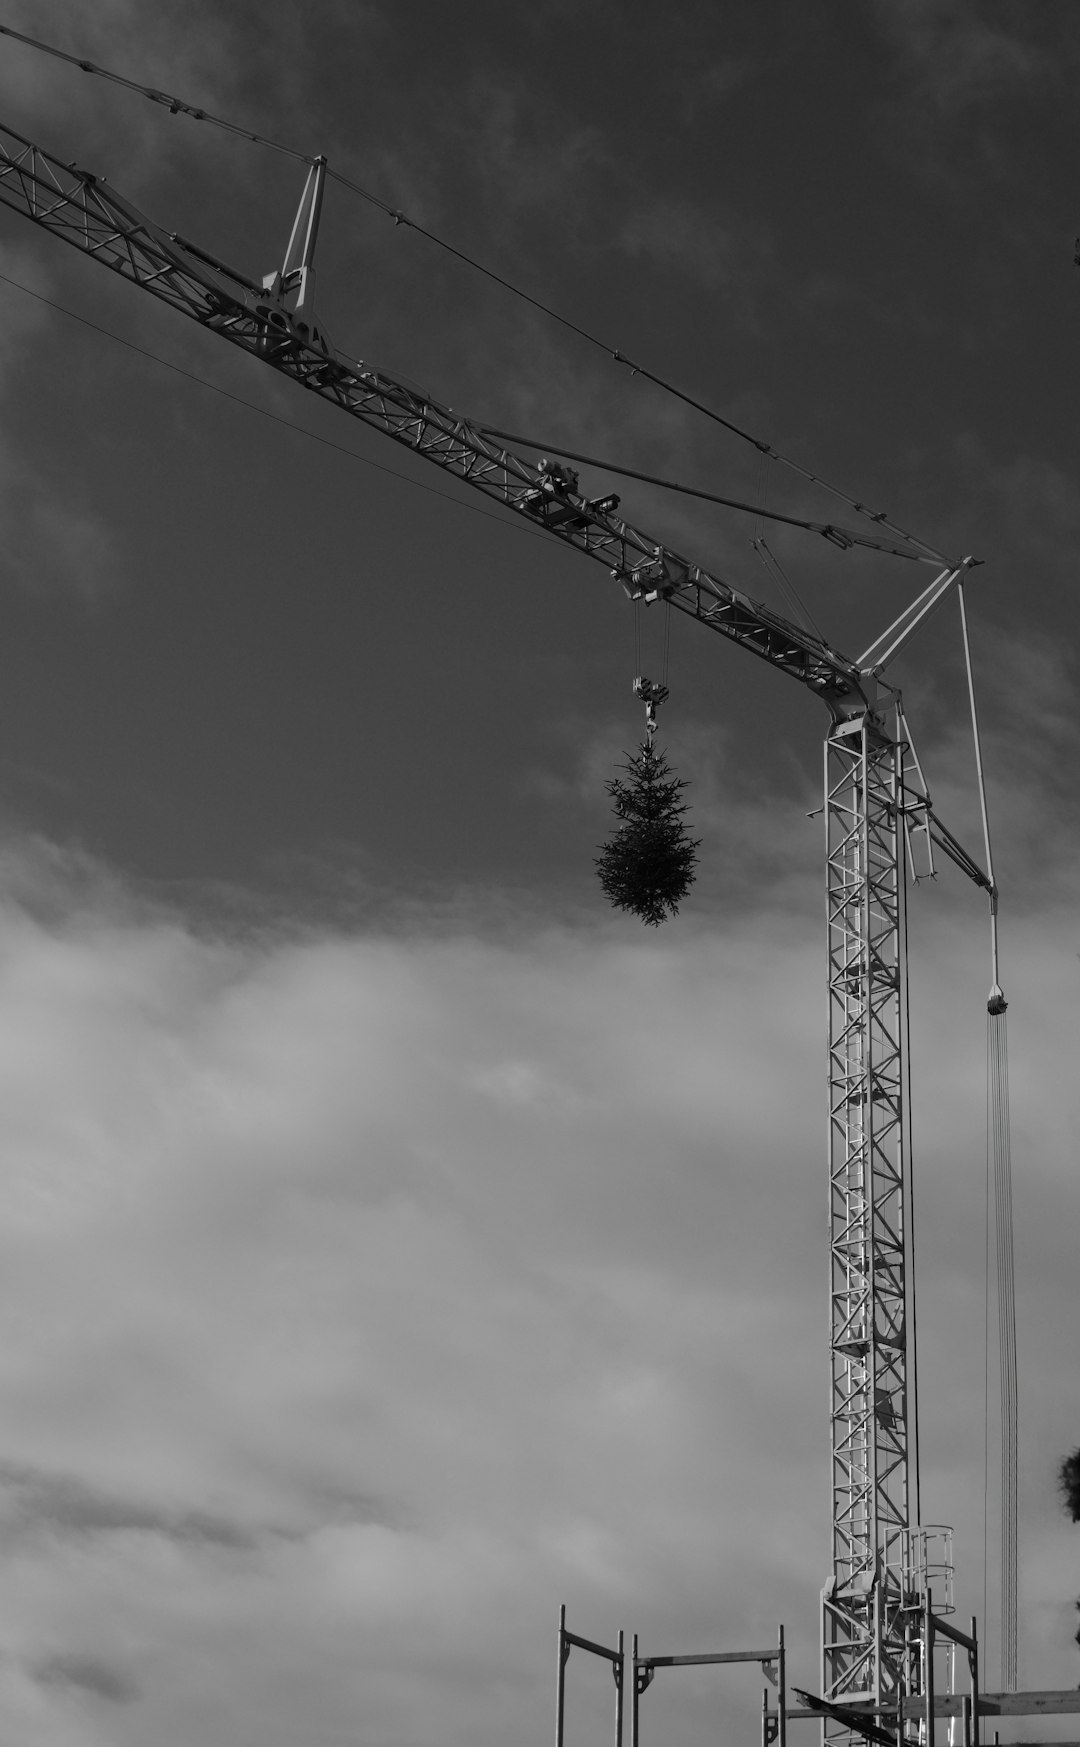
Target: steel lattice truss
x: 82, y: 210
x: 863, y: 1631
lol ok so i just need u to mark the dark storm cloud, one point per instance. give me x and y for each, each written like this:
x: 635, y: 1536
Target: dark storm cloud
x: 680, y: 236
x: 63, y: 1505
x: 963, y: 52
x: 67, y: 1506
x: 55, y: 545
x: 91, y: 1674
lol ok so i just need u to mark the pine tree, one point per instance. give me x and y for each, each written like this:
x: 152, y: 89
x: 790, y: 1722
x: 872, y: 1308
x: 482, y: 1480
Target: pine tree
x: 1069, y: 1480
x: 647, y: 866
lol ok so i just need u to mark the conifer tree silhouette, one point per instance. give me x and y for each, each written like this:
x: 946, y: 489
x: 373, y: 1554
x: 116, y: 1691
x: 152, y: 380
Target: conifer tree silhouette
x: 1069, y: 1481
x: 647, y: 866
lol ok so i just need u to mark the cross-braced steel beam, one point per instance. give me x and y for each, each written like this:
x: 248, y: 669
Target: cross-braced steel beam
x: 863, y: 1631
x: 93, y: 217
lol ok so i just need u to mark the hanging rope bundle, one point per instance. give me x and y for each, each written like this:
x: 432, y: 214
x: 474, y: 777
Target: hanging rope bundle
x: 1000, y: 1165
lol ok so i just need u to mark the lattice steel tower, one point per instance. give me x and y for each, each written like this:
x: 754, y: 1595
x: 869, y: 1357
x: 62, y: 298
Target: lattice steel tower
x: 873, y: 1396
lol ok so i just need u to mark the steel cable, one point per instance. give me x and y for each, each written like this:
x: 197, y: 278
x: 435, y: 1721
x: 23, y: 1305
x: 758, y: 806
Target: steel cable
x: 176, y: 106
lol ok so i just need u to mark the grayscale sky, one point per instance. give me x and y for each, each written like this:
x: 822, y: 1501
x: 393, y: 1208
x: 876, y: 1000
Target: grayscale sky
x: 396, y: 1242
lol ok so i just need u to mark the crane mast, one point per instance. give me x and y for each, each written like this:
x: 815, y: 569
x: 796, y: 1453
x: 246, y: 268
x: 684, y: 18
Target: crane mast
x: 873, y: 1396
x: 871, y: 806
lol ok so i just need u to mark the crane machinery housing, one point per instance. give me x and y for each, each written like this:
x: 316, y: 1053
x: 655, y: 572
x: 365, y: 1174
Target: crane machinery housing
x: 877, y: 816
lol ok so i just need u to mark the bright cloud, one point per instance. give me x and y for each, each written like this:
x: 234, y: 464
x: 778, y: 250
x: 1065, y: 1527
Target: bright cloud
x: 369, y: 1295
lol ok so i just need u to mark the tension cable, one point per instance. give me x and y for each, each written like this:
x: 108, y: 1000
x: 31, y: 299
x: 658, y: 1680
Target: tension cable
x: 176, y: 106
x: 845, y: 538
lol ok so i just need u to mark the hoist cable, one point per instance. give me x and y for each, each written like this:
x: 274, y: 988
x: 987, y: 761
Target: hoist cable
x: 771, y: 564
x: 176, y: 106
x: 763, y: 493
x: 775, y: 569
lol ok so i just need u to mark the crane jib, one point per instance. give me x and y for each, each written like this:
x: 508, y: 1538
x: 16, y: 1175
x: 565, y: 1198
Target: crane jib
x: 86, y: 212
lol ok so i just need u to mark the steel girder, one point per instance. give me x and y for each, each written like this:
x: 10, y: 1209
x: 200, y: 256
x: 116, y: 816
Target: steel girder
x: 863, y: 1637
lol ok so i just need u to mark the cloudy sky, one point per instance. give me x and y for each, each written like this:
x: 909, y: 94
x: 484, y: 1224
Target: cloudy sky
x: 397, y: 1243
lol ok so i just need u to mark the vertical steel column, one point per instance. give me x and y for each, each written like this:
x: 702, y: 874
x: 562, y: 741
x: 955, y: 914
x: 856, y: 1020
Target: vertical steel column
x: 616, y: 1657
x: 560, y: 1679
x: 928, y: 1668
x: 862, y: 1625
x: 635, y: 1691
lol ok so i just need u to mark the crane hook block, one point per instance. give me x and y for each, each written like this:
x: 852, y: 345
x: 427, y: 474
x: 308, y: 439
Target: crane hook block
x: 652, y: 695
x: 650, y: 691
x: 997, y: 1003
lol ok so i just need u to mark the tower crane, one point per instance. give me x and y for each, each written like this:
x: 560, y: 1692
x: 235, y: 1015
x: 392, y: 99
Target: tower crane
x: 877, y: 812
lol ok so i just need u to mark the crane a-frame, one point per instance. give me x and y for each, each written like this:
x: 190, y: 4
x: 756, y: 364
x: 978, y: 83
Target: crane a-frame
x: 876, y: 809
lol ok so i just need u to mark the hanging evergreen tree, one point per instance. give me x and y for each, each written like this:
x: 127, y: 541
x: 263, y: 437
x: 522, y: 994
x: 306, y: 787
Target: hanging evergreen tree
x: 1069, y: 1479
x: 647, y: 866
